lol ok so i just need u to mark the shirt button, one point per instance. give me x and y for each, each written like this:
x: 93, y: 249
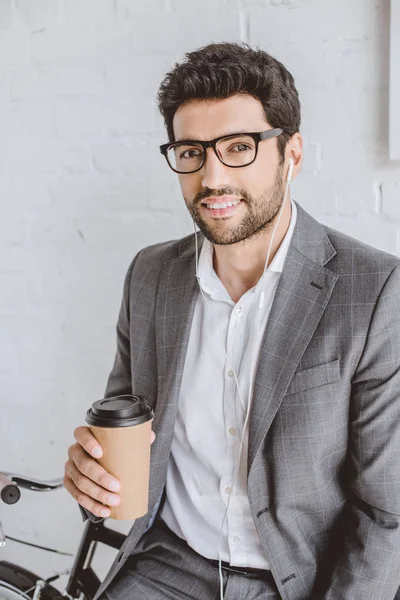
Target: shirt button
x: 230, y: 373
x: 236, y: 539
x: 232, y: 431
x: 227, y: 490
x: 239, y: 311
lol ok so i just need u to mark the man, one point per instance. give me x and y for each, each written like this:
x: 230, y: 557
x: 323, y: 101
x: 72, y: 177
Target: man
x: 274, y: 373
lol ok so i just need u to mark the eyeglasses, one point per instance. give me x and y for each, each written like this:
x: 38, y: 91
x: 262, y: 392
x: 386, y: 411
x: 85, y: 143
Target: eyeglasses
x: 235, y: 150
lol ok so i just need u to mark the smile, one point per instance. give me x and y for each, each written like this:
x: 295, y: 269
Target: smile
x: 222, y: 209
x: 223, y: 204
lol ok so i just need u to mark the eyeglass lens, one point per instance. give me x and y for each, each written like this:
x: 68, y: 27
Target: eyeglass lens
x: 236, y: 151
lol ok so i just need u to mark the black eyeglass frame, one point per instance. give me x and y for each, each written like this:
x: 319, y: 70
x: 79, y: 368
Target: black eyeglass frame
x: 257, y: 137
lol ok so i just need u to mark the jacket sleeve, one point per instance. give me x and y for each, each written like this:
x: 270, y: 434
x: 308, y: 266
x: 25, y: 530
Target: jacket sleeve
x: 367, y: 543
x: 119, y: 380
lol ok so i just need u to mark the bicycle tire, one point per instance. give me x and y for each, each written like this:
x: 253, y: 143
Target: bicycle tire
x: 17, y: 583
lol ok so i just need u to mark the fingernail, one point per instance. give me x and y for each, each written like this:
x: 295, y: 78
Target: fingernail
x: 105, y: 512
x: 114, y: 486
x: 97, y: 452
x: 113, y: 500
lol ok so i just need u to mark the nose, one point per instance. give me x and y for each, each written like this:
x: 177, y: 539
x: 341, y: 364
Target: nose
x: 214, y: 173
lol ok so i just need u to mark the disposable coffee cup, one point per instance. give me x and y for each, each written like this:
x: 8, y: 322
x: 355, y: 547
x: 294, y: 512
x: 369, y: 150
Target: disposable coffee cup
x: 122, y: 426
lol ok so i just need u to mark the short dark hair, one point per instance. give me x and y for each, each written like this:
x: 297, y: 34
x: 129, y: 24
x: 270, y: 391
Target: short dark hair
x: 221, y: 70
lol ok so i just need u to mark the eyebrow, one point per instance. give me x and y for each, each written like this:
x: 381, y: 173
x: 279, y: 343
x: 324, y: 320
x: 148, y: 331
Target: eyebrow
x: 233, y: 132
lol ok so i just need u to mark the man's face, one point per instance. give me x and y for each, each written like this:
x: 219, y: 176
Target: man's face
x: 259, y: 186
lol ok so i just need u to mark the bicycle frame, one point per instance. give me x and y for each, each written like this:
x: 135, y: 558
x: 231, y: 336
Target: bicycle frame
x: 83, y: 579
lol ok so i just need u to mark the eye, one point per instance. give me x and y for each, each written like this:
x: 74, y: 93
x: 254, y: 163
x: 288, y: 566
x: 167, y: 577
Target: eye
x: 191, y: 153
x: 240, y: 148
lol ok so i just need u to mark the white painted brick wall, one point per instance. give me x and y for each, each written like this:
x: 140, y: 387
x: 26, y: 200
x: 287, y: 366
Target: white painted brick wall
x: 83, y: 187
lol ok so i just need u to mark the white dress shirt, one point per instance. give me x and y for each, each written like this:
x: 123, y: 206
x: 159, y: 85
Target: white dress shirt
x: 224, y: 339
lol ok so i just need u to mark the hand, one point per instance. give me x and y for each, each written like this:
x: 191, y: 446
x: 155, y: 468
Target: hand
x: 87, y: 482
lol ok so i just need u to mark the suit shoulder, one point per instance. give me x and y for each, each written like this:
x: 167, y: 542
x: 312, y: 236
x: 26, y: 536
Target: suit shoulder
x: 359, y: 255
x: 153, y: 257
x: 165, y: 251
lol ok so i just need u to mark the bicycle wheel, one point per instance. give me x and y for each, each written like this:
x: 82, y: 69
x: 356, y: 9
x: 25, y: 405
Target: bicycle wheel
x: 16, y: 583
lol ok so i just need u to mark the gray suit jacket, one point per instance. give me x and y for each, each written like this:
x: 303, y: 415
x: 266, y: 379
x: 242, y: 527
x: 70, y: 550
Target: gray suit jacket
x: 324, y: 450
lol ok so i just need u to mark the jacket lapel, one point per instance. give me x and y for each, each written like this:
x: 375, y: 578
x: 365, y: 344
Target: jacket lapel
x: 176, y: 297
x: 304, y: 289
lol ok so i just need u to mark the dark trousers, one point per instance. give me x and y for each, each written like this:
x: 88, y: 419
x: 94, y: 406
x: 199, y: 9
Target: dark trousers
x: 165, y: 567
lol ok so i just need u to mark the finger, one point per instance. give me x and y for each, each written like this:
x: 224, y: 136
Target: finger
x: 85, y: 438
x: 85, y: 501
x: 152, y: 437
x: 89, y: 487
x: 91, y: 468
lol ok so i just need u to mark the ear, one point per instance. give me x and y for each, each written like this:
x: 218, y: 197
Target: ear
x: 294, y: 151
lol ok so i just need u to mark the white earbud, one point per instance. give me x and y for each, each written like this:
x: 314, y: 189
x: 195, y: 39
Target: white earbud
x: 290, y: 171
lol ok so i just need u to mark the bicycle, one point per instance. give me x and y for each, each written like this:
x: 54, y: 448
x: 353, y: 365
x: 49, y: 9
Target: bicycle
x: 18, y: 583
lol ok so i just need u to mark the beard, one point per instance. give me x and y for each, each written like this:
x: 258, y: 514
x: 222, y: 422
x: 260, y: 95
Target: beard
x: 259, y: 217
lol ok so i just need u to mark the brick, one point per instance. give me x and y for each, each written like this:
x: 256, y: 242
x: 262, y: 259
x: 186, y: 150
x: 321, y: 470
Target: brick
x: 13, y: 227
x: 58, y: 229
x: 130, y: 118
x: 4, y: 86
x: 93, y: 13
x: 53, y: 226
x: 50, y: 79
x: 323, y: 68
x: 100, y: 191
x: 13, y: 294
x: 82, y: 117
x: 181, y: 5
x: 313, y: 158
x: 19, y: 158
x: 345, y: 118
x: 6, y: 14
x: 60, y: 157
x: 130, y: 157
x: 12, y: 260
x: 165, y: 191
x: 321, y: 22
x: 36, y: 360
x: 291, y: 3
x: 134, y: 195
x: 89, y: 117
x: 20, y: 120
x: 8, y: 361
x: 129, y: 9
x: 84, y: 338
x: 316, y: 196
x: 130, y: 229
x: 136, y: 75
x: 203, y: 29
x: 14, y: 47
x: 13, y: 189
x: 80, y: 42
x: 82, y: 296
x: 353, y: 197
x: 37, y: 15
x: 255, y: 3
x: 391, y: 200
x: 367, y: 228
x: 46, y: 158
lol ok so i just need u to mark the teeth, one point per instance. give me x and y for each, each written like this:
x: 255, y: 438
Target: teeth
x: 223, y: 205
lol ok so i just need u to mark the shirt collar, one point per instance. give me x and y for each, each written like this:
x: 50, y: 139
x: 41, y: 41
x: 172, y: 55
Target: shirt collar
x: 210, y: 281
